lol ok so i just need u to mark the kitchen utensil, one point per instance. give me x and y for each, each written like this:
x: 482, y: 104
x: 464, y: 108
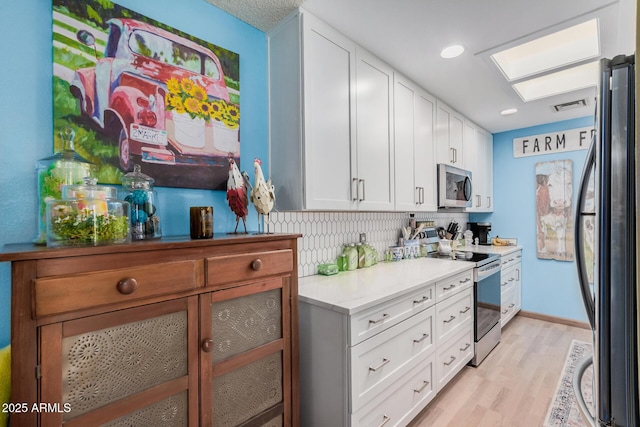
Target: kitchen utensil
x: 441, y: 232
x: 406, y: 232
x: 418, y: 230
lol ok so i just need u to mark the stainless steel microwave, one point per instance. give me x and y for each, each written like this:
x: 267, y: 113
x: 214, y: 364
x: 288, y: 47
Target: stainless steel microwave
x: 454, y: 187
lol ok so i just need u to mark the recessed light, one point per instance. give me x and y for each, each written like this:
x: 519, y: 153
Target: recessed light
x: 567, y: 80
x: 509, y: 111
x: 452, y: 51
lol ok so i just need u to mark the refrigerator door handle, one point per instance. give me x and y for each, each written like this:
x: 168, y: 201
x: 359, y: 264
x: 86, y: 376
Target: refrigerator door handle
x: 589, y: 303
x: 578, y: 373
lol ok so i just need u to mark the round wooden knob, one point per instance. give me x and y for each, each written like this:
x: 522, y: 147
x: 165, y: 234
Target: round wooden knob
x: 207, y: 345
x: 127, y: 286
x: 256, y: 265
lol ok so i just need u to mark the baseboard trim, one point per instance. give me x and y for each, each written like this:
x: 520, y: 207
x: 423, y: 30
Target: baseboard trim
x: 554, y: 319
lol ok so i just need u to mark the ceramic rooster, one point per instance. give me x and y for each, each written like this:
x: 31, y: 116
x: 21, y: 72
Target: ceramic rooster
x: 263, y: 194
x: 237, y: 195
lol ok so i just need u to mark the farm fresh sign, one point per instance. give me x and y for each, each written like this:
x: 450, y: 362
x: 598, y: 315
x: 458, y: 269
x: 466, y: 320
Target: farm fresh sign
x: 555, y: 142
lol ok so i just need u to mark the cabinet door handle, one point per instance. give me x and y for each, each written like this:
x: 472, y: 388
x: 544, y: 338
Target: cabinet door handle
x: 424, y: 298
x: 363, y: 190
x: 479, y: 201
x: 518, y: 273
x: 455, y: 153
x: 207, y: 345
x: 450, y: 319
x: 448, y: 287
x: 422, y: 195
x: 450, y: 361
x: 466, y: 347
x: 256, y: 264
x: 384, y: 316
x: 355, y: 194
x: 419, y: 340
x: 465, y: 310
x: 465, y: 280
x: 453, y: 159
x: 417, y: 198
x: 384, y: 362
x: 127, y: 286
x: 424, y: 385
x: 488, y: 201
x: 385, y: 420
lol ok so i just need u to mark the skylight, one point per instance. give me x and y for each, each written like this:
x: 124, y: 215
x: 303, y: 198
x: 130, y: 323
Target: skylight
x: 567, y: 80
x: 562, y: 48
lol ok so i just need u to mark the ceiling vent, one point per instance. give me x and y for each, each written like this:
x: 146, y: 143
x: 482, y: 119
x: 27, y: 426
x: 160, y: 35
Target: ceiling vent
x: 569, y: 105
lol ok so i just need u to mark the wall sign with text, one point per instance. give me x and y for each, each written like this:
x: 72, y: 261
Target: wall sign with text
x: 553, y: 142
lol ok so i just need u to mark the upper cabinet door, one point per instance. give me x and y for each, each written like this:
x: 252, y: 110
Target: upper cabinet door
x: 425, y: 164
x: 329, y: 153
x: 449, y: 135
x: 374, y: 180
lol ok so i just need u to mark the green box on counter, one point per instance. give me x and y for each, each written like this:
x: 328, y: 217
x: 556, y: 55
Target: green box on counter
x: 327, y: 269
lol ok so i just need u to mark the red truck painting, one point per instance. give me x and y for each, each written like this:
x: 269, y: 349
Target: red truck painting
x: 162, y: 97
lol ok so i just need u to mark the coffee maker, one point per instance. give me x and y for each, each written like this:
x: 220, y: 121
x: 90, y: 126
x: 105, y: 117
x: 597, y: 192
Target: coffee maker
x: 481, y: 231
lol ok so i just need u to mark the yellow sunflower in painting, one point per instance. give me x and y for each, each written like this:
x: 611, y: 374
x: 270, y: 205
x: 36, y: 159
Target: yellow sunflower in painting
x: 199, y: 93
x: 192, y: 105
x: 205, y: 110
x: 186, y: 85
x: 233, y: 112
x: 173, y: 85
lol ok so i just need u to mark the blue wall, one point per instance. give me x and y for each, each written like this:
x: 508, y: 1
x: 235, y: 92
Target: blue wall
x: 548, y: 287
x: 26, y: 120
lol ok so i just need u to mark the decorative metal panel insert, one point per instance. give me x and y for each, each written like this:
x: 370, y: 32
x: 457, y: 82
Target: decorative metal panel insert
x: 246, y: 392
x: 276, y: 422
x: 103, y: 366
x: 243, y: 323
x: 170, y: 412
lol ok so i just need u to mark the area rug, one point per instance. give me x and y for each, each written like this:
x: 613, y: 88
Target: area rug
x: 564, y: 410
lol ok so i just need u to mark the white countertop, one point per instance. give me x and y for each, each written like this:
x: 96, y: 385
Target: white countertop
x: 500, y: 250
x: 352, y: 291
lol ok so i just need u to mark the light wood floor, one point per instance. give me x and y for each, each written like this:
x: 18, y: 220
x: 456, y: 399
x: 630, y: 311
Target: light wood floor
x: 513, y: 386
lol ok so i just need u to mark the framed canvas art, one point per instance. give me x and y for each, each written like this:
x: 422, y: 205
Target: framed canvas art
x: 136, y: 91
x: 554, y: 213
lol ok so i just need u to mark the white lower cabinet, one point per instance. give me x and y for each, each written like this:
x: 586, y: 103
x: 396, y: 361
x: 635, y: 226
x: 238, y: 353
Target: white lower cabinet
x: 384, y: 364
x: 511, y: 286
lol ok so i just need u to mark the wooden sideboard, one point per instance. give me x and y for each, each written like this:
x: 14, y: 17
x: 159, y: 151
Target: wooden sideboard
x: 189, y: 332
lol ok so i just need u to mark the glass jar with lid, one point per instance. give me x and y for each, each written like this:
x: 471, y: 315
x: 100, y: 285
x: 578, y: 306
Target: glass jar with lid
x: 65, y: 167
x: 87, y: 215
x: 139, y: 192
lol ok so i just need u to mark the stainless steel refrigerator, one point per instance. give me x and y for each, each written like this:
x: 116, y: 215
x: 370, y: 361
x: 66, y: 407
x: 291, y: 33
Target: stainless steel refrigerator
x: 611, y: 300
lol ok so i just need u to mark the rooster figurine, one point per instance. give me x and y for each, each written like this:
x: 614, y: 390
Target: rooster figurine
x: 263, y: 194
x: 237, y: 195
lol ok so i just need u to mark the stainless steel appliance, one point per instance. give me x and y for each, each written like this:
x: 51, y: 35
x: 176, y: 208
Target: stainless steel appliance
x: 454, y: 187
x: 486, y: 293
x: 612, y: 303
x: 480, y: 231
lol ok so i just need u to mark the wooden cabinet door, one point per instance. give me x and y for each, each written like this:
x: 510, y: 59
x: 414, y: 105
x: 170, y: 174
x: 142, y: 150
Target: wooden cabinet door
x: 245, y: 355
x: 130, y: 367
x: 329, y: 128
x: 374, y: 133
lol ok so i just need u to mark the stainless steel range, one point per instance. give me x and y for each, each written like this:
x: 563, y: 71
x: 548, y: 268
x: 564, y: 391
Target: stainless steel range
x: 486, y: 292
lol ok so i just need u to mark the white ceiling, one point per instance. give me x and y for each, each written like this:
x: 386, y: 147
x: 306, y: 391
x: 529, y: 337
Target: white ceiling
x: 409, y: 34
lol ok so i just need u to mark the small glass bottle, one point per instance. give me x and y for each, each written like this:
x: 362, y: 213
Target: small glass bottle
x: 65, y: 167
x: 352, y: 257
x: 145, y: 222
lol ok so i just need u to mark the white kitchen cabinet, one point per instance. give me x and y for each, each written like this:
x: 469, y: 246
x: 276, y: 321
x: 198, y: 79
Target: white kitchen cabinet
x: 415, y: 168
x: 331, y: 143
x: 449, y: 135
x: 511, y: 286
x: 478, y: 158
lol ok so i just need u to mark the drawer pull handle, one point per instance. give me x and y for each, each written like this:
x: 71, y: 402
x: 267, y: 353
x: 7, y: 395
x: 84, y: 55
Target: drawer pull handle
x: 419, y: 340
x: 424, y: 298
x: 384, y: 316
x: 465, y: 310
x: 465, y: 280
x: 511, y: 259
x: 207, y: 345
x: 256, y: 264
x: 384, y: 362
x: 127, y: 286
x: 450, y: 319
x: 450, y: 361
x: 466, y: 347
x: 385, y: 420
x: 505, y: 283
x: 511, y: 305
x: 505, y: 311
x: 448, y: 287
x: 424, y: 385
x: 512, y: 279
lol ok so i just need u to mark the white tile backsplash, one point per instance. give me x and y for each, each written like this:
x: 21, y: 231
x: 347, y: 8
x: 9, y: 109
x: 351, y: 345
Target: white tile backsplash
x: 324, y: 233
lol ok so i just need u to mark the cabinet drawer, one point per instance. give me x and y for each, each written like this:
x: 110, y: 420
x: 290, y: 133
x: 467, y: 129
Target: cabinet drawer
x: 241, y: 267
x: 453, y: 314
x: 401, y: 401
x: 376, y: 319
x: 379, y: 361
x: 453, y: 355
x: 453, y: 285
x: 62, y: 294
x: 511, y: 259
x: 507, y: 306
x: 507, y: 279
